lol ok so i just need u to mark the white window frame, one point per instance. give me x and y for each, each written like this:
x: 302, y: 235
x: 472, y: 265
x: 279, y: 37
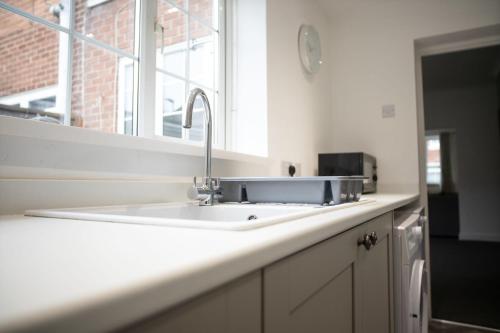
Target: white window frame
x: 123, y: 63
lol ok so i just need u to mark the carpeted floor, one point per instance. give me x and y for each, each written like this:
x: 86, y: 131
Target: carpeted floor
x: 465, y: 281
x: 435, y: 327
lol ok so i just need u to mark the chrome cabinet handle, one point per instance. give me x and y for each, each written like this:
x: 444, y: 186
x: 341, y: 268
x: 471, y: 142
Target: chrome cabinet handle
x: 366, y: 241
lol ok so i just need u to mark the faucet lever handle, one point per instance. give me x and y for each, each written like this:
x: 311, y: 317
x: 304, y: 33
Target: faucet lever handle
x: 193, y: 190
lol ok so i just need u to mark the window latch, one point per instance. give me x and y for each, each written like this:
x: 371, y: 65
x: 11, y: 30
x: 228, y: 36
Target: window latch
x: 161, y: 29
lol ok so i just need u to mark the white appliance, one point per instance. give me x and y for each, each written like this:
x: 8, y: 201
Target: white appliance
x: 410, y: 272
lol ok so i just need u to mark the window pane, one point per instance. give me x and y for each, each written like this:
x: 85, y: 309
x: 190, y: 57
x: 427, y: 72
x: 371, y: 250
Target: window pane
x: 30, y: 67
x: 103, y: 96
x: 172, y: 125
x: 109, y: 21
x: 43, y: 103
x: 196, y: 133
x: 53, y: 11
x: 202, y: 54
x: 170, y: 100
x: 433, y: 160
x: 171, y: 39
x: 205, y: 11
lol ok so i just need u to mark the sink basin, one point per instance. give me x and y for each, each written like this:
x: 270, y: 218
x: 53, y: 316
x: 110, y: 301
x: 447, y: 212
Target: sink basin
x: 190, y: 215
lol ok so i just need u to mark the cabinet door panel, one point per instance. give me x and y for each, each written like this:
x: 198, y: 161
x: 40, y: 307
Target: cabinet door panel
x: 373, y: 281
x: 312, y: 268
x: 312, y: 290
x: 235, y: 307
x: 330, y: 309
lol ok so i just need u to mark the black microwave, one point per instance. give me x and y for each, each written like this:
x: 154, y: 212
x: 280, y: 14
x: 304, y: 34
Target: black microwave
x: 350, y: 164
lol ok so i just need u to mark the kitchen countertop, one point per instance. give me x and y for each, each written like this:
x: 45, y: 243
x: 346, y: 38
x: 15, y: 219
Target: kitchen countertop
x: 95, y: 276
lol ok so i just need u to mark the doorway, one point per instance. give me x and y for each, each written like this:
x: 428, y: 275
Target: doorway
x: 460, y: 129
x: 442, y: 181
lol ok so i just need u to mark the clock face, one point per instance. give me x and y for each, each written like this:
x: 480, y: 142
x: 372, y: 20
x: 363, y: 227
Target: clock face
x: 309, y: 48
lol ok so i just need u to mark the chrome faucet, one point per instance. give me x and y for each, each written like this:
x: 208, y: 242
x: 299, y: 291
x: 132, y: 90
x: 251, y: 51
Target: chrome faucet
x: 208, y: 191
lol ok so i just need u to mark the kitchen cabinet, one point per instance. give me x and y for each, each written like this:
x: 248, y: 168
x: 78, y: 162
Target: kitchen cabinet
x: 337, y: 285
x: 373, y: 284
x: 235, y: 307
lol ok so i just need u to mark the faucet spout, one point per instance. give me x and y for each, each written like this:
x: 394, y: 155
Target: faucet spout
x: 188, y: 123
x: 206, y: 193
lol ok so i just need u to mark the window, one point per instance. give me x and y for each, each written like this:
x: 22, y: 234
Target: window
x: 78, y: 63
x: 433, y: 147
x: 87, y: 52
x: 63, y: 61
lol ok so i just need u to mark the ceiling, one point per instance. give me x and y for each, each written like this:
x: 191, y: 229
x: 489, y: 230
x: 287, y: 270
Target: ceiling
x: 464, y: 68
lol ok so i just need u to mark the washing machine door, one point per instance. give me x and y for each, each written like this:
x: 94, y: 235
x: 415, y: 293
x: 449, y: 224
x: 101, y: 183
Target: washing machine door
x: 418, y: 298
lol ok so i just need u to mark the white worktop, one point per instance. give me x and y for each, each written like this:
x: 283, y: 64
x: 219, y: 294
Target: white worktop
x: 95, y: 276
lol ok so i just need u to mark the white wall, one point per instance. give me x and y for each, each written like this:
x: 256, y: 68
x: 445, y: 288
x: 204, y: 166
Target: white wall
x: 38, y: 170
x: 372, y: 63
x: 472, y: 112
x: 249, y: 78
x: 299, y: 105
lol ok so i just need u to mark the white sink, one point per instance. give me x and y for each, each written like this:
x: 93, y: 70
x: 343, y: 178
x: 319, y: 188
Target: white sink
x: 190, y: 215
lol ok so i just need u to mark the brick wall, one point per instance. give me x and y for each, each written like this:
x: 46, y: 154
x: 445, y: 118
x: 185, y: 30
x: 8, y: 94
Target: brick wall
x: 29, y: 52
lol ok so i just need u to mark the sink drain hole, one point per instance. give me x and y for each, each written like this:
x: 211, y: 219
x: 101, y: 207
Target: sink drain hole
x: 252, y: 217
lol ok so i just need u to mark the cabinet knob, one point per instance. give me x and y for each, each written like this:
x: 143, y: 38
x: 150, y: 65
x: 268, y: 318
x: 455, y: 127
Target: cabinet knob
x: 366, y: 241
x: 373, y: 238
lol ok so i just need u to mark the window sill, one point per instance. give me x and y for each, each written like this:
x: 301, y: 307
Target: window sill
x: 45, y: 131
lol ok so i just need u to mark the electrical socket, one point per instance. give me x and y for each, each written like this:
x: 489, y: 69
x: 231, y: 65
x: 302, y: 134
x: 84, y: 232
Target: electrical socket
x: 285, y: 165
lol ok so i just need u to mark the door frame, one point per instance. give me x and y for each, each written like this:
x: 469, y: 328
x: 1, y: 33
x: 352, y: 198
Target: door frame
x: 434, y: 45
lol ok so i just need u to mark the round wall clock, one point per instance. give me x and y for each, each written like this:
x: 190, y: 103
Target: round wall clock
x: 309, y: 48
